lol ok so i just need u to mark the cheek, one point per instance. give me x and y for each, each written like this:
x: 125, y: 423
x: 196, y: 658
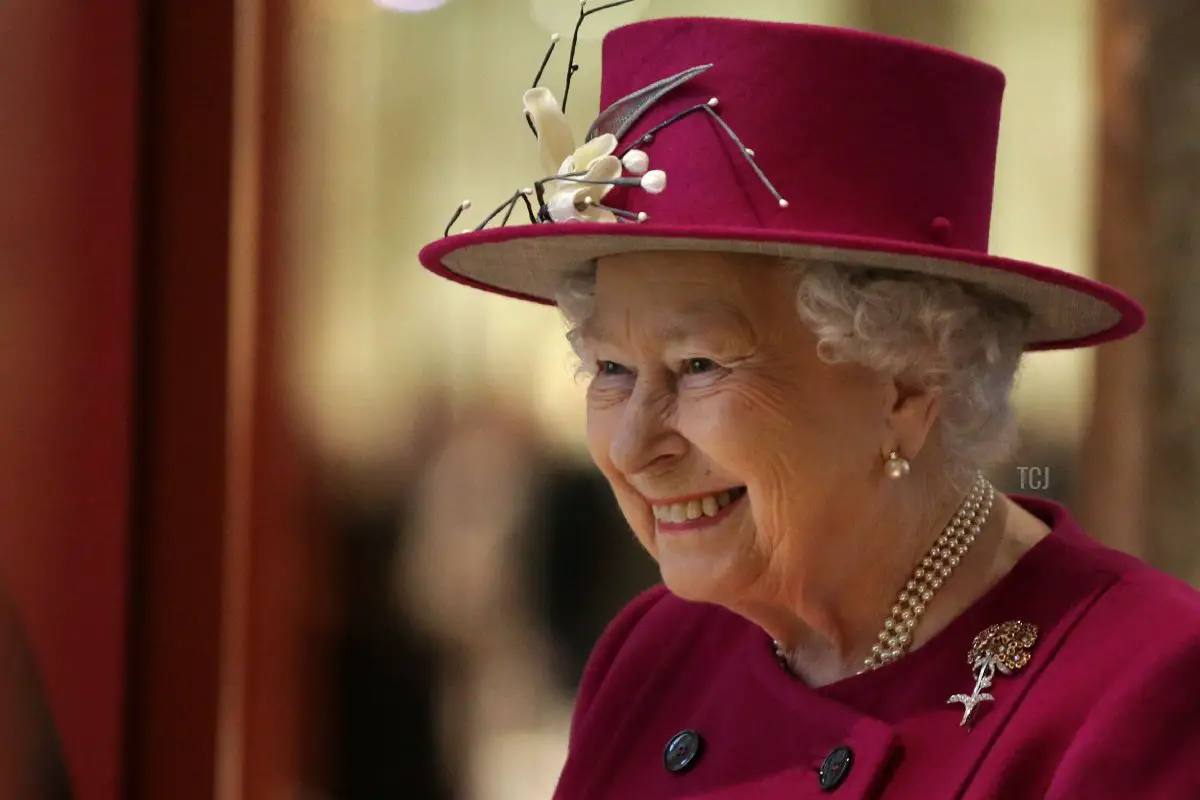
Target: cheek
x: 599, y: 437
x: 810, y: 421
x: 600, y: 426
x: 742, y: 425
x: 791, y: 444
x: 635, y: 510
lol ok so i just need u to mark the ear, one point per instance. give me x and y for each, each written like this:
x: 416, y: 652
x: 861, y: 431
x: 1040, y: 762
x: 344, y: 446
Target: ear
x: 910, y: 413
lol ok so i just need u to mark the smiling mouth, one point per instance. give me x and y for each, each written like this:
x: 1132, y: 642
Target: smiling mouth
x: 697, y: 512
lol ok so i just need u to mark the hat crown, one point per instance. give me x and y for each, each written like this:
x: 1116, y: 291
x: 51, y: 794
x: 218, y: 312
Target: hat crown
x: 823, y: 144
x: 864, y: 136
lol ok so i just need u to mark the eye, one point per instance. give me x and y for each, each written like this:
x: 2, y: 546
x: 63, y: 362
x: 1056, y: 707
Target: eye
x: 698, y: 366
x: 610, y: 368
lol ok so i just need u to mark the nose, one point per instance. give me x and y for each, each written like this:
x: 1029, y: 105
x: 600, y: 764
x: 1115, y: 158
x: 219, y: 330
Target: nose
x: 645, y: 438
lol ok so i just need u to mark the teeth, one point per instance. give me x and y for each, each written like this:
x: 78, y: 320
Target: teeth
x: 708, y: 506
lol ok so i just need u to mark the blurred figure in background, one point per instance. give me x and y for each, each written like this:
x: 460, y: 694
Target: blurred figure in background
x: 460, y: 574
x: 472, y: 607
x: 388, y: 668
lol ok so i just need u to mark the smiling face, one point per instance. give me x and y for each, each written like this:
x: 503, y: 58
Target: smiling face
x: 733, y: 450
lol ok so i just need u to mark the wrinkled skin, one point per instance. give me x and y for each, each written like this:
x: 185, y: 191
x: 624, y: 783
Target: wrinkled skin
x: 707, y: 379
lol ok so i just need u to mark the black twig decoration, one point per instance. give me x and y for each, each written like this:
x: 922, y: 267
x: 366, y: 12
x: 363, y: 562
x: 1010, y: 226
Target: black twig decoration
x: 584, y: 13
x: 507, y: 207
x: 545, y: 60
x: 463, y: 206
x: 538, y: 78
x: 710, y: 109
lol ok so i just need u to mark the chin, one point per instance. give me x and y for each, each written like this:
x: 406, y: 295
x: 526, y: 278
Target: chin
x: 692, y: 581
x: 696, y: 591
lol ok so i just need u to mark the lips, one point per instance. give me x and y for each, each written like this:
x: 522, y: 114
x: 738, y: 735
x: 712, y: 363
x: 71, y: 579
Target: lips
x: 697, y: 507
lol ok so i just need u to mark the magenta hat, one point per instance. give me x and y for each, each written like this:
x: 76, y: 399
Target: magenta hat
x: 793, y: 141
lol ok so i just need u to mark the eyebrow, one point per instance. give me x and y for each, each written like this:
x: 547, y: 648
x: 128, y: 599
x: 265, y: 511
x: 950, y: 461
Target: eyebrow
x: 694, y: 320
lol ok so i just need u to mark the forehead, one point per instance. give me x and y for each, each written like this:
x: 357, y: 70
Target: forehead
x: 670, y: 289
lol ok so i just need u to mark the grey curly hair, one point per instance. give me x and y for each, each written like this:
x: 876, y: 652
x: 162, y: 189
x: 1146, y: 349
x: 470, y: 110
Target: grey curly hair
x: 929, y: 333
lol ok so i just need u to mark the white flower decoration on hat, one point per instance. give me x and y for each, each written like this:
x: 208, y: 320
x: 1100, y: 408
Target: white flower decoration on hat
x: 592, y: 163
x: 556, y: 143
x: 566, y: 201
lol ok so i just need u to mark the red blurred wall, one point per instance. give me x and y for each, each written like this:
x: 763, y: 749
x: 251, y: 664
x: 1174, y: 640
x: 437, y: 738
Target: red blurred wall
x: 68, y: 123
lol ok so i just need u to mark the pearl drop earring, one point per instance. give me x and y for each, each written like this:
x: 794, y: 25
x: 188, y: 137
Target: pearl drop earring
x: 897, y: 466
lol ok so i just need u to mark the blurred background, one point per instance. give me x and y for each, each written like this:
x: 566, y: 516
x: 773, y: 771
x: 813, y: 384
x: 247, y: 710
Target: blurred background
x: 284, y: 516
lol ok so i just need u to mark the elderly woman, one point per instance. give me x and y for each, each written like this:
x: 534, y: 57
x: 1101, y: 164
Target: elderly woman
x: 801, y: 356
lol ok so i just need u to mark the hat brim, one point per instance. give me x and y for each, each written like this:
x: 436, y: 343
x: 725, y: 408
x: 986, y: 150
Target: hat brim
x: 528, y: 262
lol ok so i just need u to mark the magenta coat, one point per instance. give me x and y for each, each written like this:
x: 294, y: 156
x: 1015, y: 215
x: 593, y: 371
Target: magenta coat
x: 686, y: 700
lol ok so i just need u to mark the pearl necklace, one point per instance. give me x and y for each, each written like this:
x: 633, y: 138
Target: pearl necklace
x: 934, y: 569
